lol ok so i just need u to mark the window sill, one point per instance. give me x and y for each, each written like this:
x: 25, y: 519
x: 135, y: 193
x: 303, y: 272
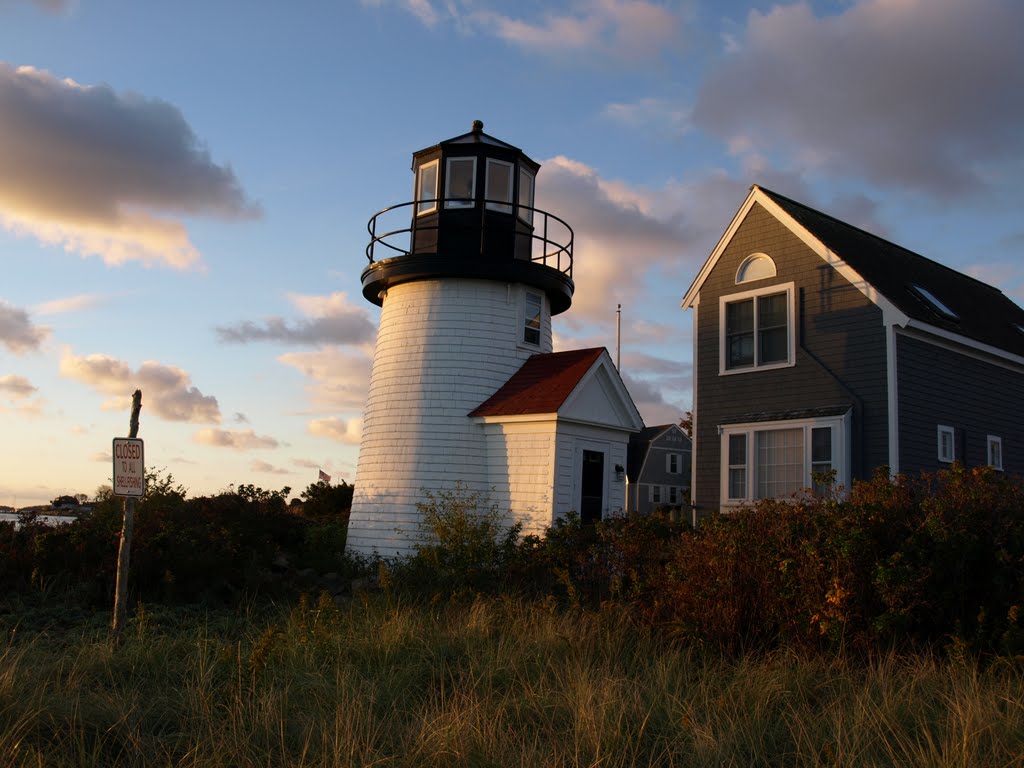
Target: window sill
x: 756, y: 368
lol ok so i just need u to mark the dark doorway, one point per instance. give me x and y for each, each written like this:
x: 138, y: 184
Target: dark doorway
x: 592, y: 486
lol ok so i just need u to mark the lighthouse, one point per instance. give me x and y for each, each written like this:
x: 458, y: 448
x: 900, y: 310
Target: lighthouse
x: 465, y: 389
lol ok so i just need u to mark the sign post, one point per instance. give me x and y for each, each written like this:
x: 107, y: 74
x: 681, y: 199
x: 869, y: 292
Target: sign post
x: 130, y: 478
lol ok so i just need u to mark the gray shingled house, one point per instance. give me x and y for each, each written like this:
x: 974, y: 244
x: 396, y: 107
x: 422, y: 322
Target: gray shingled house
x: 658, y: 465
x: 819, y: 347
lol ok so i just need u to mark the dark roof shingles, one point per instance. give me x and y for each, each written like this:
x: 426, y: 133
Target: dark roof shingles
x: 983, y: 312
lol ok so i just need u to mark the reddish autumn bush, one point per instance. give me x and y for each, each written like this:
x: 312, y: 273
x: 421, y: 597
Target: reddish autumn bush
x: 921, y: 560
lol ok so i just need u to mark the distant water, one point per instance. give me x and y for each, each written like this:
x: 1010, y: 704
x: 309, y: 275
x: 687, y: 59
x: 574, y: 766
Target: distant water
x: 48, y: 519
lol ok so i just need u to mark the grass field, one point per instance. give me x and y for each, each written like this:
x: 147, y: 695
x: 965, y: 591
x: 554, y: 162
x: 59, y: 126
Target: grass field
x: 491, y: 682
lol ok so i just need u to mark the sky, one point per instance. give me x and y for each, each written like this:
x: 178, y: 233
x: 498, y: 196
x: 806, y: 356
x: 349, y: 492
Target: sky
x: 185, y: 187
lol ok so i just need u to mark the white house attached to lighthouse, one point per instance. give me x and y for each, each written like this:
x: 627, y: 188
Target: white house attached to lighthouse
x: 465, y: 388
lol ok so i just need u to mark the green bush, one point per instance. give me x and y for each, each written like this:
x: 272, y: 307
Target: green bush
x: 464, y: 543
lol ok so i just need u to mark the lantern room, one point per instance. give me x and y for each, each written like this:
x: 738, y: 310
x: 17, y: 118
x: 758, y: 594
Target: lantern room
x: 472, y: 216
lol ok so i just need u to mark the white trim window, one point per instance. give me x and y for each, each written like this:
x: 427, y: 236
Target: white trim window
x: 946, y: 444
x: 498, y: 185
x: 994, y: 452
x: 426, y: 187
x: 526, y: 181
x: 775, y: 460
x: 533, y: 313
x: 674, y: 463
x: 673, y: 494
x: 460, y: 182
x: 654, y: 494
x: 757, y: 330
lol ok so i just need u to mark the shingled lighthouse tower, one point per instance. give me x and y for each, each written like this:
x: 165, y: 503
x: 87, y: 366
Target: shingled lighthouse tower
x: 467, y: 275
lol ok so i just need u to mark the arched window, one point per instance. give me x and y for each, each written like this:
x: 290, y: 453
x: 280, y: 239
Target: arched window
x: 757, y: 266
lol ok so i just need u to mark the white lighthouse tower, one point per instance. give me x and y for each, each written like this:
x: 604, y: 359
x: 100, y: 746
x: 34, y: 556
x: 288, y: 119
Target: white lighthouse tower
x: 467, y: 282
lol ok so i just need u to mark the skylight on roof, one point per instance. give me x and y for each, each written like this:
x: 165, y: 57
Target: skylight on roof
x: 933, y: 302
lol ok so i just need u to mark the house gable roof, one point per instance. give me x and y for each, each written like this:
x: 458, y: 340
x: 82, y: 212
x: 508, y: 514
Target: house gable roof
x: 574, y: 384
x: 887, y: 274
x: 640, y: 445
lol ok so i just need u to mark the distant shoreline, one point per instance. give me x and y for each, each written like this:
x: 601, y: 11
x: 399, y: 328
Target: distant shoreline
x: 7, y: 517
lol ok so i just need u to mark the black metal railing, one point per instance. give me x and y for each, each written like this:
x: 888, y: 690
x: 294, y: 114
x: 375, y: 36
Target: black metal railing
x: 551, y: 238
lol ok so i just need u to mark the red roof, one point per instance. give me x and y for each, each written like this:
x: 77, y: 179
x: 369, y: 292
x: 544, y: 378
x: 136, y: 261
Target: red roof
x: 541, y: 385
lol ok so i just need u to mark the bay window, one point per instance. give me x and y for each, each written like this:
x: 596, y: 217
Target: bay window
x: 776, y: 460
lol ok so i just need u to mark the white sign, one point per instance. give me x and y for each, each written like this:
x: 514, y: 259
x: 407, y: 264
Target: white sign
x: 129, y: 467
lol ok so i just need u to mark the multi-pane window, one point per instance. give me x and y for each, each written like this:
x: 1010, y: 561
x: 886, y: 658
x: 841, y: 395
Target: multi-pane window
x: 655, y: 493
x: 946, y: 444
x: 738, y: 466
x: 673, y: 495
x: 821, y: 455
x: 756, y: 330
x: 533, y: 309
x: 498, y: 187
x: 995, y: 452
x: 526, y: 196
x: 460, y: 182
x: 777, y: 460
x: 426, y: 188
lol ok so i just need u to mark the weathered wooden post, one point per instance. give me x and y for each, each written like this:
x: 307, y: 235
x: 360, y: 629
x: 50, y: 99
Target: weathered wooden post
x: 124, y: 552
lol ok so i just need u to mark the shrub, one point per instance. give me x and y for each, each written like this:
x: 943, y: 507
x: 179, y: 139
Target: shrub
x: 465, y: 542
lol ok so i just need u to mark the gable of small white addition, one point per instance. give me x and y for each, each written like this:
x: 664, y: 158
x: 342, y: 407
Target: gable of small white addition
x: 602, y: 399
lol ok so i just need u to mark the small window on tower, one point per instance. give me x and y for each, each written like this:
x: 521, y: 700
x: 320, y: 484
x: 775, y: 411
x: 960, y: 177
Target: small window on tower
x: 460, y: 184
x: 426, y: 188
x: 526, y: 196
x: 499, y: 186
x: 534, y: 307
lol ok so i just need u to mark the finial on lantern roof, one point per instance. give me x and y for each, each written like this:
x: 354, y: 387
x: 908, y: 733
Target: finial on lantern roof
x: 478, y: 126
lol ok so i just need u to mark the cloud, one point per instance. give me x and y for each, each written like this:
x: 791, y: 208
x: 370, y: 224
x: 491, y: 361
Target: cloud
x: 331, y: 320
x: 306, y: 464
x: 619, y: 29
x: 17, y: 332
x: 266, y: 468
x: 167, y: 390
x: 341, y: 430
x: 617, y: 224
x: 69, y: 304
x: 243, y: 440
x: 657, y: 116
x: 54, y: 7
x: 16, y: 387
x: 622, y: 30
x: 421, y: 9
x: 99, y: 172
x: 650, y: 400
x: 922, y: 95
x: 339, y: 380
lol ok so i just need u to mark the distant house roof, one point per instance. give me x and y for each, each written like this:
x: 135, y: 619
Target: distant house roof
x: 541, y: 385
x: 921, y: 289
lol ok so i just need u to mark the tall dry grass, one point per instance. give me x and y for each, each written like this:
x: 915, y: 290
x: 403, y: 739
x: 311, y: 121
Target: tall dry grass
x: 494, y: 682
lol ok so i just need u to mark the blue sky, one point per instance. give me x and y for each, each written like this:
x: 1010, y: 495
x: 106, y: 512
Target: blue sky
x: 184, y: 190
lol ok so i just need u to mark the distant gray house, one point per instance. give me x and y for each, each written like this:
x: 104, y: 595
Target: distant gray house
x: 658, y: 469
x: 819, y: 347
